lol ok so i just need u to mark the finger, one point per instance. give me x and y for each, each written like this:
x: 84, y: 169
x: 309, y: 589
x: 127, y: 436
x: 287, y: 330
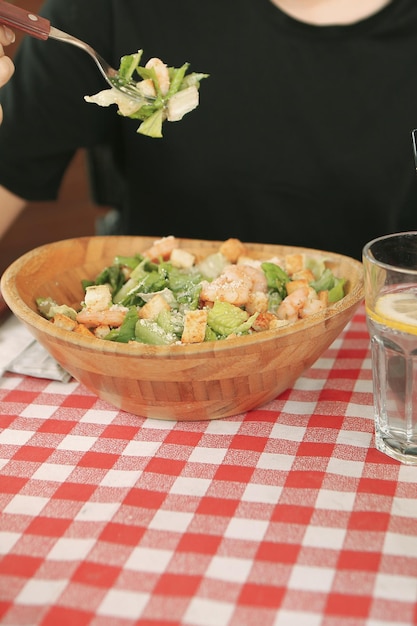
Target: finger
x: 6, y: 69
x: 7, y: 36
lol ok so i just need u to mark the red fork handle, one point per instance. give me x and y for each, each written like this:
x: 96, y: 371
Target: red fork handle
x: 21, y: 19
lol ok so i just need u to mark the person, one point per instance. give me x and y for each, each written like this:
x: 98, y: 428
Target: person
x: 6, y: 71
x: 302, y: 135
x: 6, y: 64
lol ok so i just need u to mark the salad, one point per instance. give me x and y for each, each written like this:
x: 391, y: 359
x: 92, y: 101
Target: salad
x: 168, y: 93
x: 165, y: 295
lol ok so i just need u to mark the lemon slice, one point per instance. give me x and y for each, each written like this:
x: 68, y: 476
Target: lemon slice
x: 397, y: 310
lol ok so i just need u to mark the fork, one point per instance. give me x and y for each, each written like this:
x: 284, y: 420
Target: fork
x: 40, y: 28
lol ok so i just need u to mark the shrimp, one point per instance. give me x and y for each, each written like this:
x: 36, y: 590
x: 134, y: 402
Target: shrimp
x: 256, y: 275
x: 162, y: 75
x: 300, y: 303
x: 147, y: 88
x: 313, y: 305
x: 110, y: 317
x: 257, y: 302
x: 226, y: 289
x: 161, y: 248
x: 292, y: 304
x: 235, y: 285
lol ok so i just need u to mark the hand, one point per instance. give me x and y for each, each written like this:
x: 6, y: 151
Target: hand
x: 6, y: 64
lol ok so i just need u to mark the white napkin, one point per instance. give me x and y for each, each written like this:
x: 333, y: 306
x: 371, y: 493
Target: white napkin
x: 22, y: 354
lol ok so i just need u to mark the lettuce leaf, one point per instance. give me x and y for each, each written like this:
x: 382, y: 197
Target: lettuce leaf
x: 276, y: 278
x: 225, y: 318
x: 329, y: 282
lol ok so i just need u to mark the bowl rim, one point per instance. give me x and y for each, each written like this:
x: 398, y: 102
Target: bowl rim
x: 34, y: 320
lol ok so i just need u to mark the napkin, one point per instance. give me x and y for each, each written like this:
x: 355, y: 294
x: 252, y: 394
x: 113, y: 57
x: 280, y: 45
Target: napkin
x: 22, y: 354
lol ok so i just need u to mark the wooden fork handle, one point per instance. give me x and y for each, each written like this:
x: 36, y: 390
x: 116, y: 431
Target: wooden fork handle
x: 21, y: 19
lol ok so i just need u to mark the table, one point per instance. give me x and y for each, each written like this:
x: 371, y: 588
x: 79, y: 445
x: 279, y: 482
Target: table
x: 283, y: 516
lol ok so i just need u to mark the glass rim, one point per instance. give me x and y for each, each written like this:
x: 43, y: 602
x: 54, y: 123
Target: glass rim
x: 366, y: 252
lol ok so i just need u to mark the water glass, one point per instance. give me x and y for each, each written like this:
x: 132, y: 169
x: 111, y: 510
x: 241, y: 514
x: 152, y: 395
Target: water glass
x: 390, y: 271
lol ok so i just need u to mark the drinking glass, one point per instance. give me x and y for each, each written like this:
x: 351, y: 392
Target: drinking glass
x: 390, y: 272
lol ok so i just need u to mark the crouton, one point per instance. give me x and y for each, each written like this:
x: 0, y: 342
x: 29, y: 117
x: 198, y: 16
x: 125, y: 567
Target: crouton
x: 294, y: 263
x: 195, y: 323
x: 101, y: 331
x: 182, y: 259
x: 65, y: 322
x: 293, y: 285
x: 153, y: 307
x: 232, y: 249
x: 304, y: 274
x: 263, y: 321
x: 81, y: 329
x: 98, y: 297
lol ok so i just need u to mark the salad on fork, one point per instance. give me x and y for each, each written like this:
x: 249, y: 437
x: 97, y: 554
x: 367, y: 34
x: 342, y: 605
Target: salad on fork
x: 168, y: 93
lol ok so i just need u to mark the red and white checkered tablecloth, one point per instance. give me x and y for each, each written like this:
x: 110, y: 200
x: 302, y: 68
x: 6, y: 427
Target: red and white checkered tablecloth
x: 284, y: 516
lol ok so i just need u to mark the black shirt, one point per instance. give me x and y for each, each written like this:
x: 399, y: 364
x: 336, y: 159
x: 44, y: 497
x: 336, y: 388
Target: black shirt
x: 302, y: 135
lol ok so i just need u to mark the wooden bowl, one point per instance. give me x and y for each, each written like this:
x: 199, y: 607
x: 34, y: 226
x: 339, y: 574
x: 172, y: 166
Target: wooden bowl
x: 180, y: 382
